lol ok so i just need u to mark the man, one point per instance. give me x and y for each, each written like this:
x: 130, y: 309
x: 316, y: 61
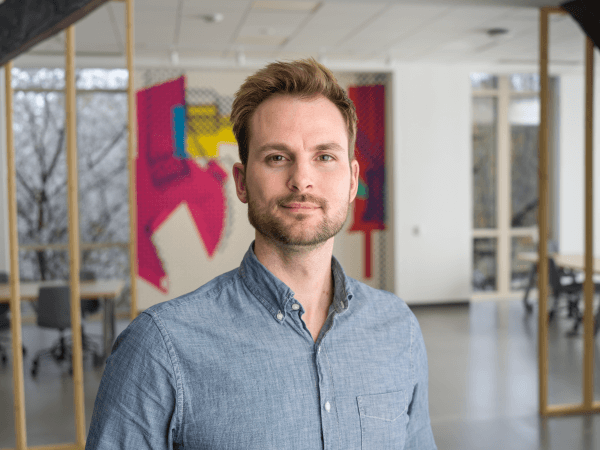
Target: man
x: 285, y: 352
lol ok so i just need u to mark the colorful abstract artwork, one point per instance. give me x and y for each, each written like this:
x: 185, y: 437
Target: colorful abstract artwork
x: 171, y: 136
x: 369, y: 206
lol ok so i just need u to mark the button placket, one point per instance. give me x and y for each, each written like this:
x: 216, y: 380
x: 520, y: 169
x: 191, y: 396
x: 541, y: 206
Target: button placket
x: 326, y: 393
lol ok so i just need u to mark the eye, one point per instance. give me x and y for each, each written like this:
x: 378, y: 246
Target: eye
x: 329, y: 157
x: 275, y: 158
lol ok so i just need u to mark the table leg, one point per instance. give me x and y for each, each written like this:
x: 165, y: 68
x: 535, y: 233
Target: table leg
x: 108, y: 326
x: 532, y: 274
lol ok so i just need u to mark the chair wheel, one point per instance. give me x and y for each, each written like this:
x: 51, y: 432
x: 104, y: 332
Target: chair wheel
x: 4, y: 359
x: 550, y: 316
x: 24, y: 351
x: 528, y: 308
x: 34, y: 369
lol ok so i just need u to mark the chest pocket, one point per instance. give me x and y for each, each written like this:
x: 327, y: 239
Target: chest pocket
x: 383, y: 420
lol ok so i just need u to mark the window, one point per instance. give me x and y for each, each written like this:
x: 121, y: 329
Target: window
x: 505, y: 194
x: 40, y: 142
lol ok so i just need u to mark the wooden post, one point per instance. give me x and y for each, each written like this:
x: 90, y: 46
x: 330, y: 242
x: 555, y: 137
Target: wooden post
x: 15, y: 292
x: 543, y: 218
x: 588, y: 317
x: 132, y: 155
x: 73, y: 199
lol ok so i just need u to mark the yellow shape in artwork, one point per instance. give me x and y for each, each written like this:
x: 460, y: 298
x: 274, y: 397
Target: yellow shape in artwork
x: 206, y: 129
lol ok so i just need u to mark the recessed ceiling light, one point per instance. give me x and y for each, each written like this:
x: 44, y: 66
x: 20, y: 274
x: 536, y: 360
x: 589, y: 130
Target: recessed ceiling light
x: 493, y: 32
x: 212, y: 18
x: 285, y: 5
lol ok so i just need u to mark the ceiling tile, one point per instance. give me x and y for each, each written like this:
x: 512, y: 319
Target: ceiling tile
x: 215, y: 6
x: 158, y: 28
x: 285, y: 5
x: 95, y: 33
x: 271, y: 19
x: 393, y: 24
x: 255, y: 40
x: 331, y: 23
x: 196, y: 32
x: 155, y: 5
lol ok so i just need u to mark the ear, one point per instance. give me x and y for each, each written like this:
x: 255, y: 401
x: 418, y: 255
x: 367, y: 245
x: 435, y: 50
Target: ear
x: 354, y: 170
x: 239, y: 175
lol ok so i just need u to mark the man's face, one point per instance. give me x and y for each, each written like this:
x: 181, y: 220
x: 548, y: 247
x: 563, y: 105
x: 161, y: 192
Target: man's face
x: 298, y: 182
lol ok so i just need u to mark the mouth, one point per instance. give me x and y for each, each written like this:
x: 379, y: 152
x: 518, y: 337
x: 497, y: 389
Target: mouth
x: 301, y: 206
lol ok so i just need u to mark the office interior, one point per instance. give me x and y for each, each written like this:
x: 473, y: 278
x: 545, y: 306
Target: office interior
x: 461, y: 82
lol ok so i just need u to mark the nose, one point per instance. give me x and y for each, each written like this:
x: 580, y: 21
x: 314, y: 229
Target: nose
x: 301, y: 177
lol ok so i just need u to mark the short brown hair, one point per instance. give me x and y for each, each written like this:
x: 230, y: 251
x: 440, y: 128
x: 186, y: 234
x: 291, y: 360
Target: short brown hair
x: 305, y: 78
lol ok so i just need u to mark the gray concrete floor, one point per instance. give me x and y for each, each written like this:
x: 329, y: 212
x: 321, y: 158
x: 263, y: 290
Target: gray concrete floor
x: 483, y: 379
x: 482, y: 383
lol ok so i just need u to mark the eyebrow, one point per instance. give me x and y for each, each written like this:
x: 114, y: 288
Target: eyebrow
x: 330, y: 146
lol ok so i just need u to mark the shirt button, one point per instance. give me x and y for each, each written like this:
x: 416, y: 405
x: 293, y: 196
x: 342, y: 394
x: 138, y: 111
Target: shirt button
x: 327, y: 406
x: 279, y: 316
x: 295, y: 306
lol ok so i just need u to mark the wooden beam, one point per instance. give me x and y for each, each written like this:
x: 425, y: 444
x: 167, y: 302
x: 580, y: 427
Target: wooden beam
x: 52, y: 447
x: 588, y: 316
x: 543, y: 218
x: 73, y: 204
x: 15, y: 294
x: 132, y: 155
x: 554, y: 10
x: 82, y: 246
x: 572, y: 409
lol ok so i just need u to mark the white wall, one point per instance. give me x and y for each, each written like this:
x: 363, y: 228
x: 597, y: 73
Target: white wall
x: 571, y: 165
x: 432, y: 183
x: 4, y: 251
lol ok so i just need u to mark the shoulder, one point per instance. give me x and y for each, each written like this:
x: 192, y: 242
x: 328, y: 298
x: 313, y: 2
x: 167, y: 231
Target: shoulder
x: 205, y: 295
x: 380, y: 301
x: 384, y: 307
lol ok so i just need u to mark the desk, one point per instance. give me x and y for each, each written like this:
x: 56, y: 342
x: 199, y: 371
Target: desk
x: 574, y: 262
x: 107, y: 290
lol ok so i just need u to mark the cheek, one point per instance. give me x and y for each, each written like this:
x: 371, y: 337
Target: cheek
x: 263, y: 187
x: 337, y: 185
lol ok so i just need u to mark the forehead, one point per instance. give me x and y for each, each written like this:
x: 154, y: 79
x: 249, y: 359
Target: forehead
x: 291, y: 117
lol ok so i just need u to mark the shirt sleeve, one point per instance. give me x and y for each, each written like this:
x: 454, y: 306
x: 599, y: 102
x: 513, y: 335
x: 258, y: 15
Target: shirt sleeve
x: 136, y: 403
x: 419, y: 433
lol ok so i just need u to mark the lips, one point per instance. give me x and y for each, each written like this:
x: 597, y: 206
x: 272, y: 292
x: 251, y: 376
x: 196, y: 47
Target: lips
x: 301, y: 206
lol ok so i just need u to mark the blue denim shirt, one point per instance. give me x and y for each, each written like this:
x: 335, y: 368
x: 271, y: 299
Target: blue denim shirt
x: 233, y: 366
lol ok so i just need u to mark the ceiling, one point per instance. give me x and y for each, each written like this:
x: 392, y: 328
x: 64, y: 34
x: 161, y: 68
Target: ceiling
x: 369, y: 32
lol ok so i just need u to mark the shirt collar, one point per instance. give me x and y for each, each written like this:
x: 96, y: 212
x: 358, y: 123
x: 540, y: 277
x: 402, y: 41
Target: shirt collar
x: 276, y: 296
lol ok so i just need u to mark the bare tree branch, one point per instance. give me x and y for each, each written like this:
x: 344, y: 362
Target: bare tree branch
x: 28, y: 188
x: 108, y: 148
x: 57, y: 151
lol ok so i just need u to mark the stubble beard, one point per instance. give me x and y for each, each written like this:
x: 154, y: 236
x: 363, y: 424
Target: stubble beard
x: 274, y: 228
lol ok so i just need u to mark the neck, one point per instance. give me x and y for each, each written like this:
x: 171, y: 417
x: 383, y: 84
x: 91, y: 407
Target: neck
x: 306, y: 270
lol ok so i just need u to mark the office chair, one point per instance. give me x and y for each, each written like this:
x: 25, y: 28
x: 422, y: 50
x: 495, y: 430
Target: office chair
x: 562, y: 283
x: 54, y: 311
x: 5, y: 324
x: 578, y: 318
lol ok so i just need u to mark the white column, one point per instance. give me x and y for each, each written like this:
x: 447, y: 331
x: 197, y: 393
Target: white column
x: 4, y: 257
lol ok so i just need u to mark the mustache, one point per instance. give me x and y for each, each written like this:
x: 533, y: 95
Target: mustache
x: 304, y: 198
